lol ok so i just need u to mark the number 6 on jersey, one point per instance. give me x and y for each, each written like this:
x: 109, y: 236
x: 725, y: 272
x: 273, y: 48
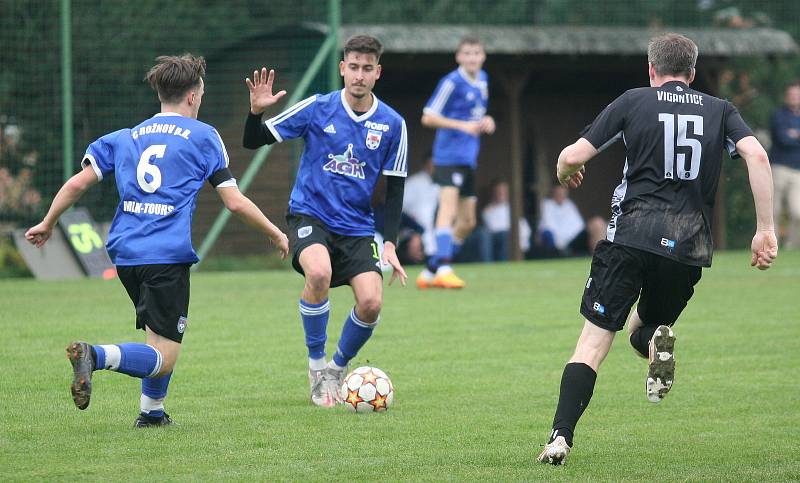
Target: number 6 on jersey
x: 144, y: 167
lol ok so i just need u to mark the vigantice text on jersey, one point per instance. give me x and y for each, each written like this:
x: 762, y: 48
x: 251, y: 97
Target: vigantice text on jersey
x: 682, y: 98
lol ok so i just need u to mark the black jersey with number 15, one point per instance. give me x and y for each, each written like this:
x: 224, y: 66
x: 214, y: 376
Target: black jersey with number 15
x: 674, y: 137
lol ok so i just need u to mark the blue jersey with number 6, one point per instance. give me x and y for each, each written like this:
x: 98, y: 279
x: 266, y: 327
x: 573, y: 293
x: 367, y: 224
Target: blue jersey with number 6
x: 159, y: 166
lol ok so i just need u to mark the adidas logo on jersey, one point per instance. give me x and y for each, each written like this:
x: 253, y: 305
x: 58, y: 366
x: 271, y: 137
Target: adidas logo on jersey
x: 330, y: 129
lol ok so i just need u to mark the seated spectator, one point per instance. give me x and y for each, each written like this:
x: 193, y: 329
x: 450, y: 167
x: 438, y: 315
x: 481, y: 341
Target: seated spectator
x: 496, y: 227
x: 490, y: 240
x: 561, y: 230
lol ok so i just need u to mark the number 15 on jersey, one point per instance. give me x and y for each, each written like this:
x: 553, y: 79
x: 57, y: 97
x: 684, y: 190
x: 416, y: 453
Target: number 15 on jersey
x: 675, y: 164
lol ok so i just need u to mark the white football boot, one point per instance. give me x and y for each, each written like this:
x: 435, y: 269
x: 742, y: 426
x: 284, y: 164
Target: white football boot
x: 661, y: 368
x: 555, y: 453
x: 320, y: 395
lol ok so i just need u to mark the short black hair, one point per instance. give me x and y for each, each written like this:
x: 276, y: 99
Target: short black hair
x: 364, y: 44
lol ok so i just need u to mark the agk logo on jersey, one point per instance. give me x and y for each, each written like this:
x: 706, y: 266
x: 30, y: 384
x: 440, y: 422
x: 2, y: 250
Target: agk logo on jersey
x: 345, y: 164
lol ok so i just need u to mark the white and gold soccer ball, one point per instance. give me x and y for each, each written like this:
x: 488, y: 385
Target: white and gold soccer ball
x: 367, y: 389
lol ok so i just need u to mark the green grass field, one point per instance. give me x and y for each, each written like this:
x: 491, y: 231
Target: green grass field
x: 476, y: 375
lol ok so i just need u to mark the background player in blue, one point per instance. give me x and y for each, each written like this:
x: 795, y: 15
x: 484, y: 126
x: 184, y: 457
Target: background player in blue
x: 457, y: 110
x: 351, y: 138
x: 659, y: 236
x: 159, y: 166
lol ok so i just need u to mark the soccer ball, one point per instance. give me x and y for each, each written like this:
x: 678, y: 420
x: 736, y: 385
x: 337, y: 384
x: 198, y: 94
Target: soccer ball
x: 367, y: 389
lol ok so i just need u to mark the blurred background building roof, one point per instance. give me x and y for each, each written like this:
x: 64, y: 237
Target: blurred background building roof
x: 416, y: 38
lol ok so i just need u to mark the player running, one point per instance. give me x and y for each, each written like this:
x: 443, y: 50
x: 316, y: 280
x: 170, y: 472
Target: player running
x: 351, y: 138
x: 457, y: 110
x: 159, y: 166
x: 659, y: 236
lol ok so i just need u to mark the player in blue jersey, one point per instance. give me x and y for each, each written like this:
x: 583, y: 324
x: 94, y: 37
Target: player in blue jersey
x: 159, y: 166
x: 457, y: 110
x: 351, y: 139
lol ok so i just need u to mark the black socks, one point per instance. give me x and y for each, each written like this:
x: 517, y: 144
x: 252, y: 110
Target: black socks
x: 577, y: 385
x: 640, y: 339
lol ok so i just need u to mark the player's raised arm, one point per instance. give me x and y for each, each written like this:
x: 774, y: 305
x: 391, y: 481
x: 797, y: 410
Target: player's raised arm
x: 71, y: 192
x: 247, y: 211
x: 764, y: 246
x: 261, y: 96
x: 256, y: 133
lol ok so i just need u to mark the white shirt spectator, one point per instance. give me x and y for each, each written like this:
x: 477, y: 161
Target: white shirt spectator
x: 497, y: 218
x: 562, y: 219
x: 420, y: 199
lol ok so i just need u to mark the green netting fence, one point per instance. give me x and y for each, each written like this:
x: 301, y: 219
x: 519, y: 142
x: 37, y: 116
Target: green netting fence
x: 109, y: 45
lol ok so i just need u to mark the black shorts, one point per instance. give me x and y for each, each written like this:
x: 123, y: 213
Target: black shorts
x: 160, y: 294
x: 621, y: 274
x: 461, y: 177
x: 350, y: 255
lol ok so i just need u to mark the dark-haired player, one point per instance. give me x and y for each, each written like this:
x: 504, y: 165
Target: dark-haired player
x: 351, y: 139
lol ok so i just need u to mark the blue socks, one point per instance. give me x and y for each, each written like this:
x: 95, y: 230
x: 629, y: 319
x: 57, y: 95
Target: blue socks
x: 444, y: 245
x: 154, y: 390
x: 355, y: 334
x: 315, y: 325
x: 133, y: 359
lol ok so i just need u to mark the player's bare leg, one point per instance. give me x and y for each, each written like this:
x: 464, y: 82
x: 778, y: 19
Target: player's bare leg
x: 368, y: 292
x: 314, y: 309
x: 445, y: 219
x: 577, y: 386
x: 465, y: 218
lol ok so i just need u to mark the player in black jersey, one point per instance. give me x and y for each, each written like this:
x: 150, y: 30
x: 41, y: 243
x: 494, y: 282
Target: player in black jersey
x: 659, y: 236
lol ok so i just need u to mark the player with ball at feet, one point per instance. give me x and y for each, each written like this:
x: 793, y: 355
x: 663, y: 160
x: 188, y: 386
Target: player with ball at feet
x: 659, y: 236
x: 351, y: 139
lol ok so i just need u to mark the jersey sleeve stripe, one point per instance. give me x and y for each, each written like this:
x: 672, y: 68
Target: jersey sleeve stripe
x: 400, y: 159
x: 89, y: 159
x: 731, y: 147
x: 274, y: 131
x: 441, y: 97
x: 292, y: 110
x: 611, y: 141
x: 227, y: 184
x: 222, y: 145
x: 272, y: 122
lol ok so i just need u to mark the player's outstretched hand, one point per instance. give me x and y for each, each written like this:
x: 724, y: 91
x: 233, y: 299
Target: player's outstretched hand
x: 487, y: 125
x: 572, y: 181
x: 764, y: 248
x: 281, y: 243
x: 39, y: 234
x: 390, y: 257
x: 261, y: 96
